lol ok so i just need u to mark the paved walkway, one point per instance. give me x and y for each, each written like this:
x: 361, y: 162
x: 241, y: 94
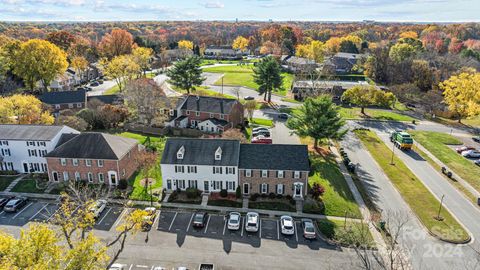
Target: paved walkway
x: 15, y: 182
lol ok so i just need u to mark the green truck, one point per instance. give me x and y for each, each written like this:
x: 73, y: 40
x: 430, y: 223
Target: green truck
x: 401, y: 140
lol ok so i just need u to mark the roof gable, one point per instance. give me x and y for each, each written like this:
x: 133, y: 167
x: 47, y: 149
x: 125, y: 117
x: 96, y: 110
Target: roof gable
x: 274, y: 157
x: 208, y: 104
x: 29, y: 132
x: 61, y: 97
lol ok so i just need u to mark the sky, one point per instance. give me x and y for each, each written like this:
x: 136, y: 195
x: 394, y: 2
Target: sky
x: 229, y: 10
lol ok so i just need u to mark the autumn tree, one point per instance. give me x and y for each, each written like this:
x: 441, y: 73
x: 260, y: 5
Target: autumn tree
x: 23, y: 109
x: 186, y: 74
x: 116, y: 43
x: 79, y: 64
x: 318, y: 118
x: 269, y: 47
x: 185, y: 44
x: 147, y: 160
x: 267, y: 74
x: 68, y: 118
x: 240, y: 43
x: 422, y: 74
x: 39, y: 60
x: 112, y: 115
x: 409, y: 34
x: 462, y: 94
x: 121, y: 68
x: 142, y: 57
x: 314, y: 50
x: 348, y: 46
x: 401, y: 51
x: 147, y: 101
x: 364, y: 96
x: 333, y: 45
x: 63, y: 39
x: 234, y: 134
x: 250, y: 106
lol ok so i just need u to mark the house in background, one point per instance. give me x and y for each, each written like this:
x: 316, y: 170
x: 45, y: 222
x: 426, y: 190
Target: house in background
x: 208, y: 114
x: 297, y: 64
x: 62, y: 100
x: 211, y: 165
x: 342, y: 63
x: 94, y: 157
x: 313, y: 88
x: 23, y: 147
x: 66, y: 81
x: 107, y: 99
x: 222, y: 53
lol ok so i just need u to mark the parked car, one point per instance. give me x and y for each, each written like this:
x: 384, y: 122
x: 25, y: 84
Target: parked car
x: 283, y: 115
x: 148, y: 220
x: 476, y: 139
x: 477, y: 162
x: 308, y: 229
x: 15, y: 204
x: 464, y: 148
x: 97, y: 208
x: 471, y: 154
x: 88, y: 88
x: 252, y: 223
x: 287, y: 225
x: 200, y: 219
x: 264, y: 133
x: 249, y: 98
x: 100, y: 81
x: 259, y: 129
x: 4, y: 201
x: 261, y: 140
x: 159, y: 268
x: 117, y: 266
x: 93, y: 84
x: 234, y: 221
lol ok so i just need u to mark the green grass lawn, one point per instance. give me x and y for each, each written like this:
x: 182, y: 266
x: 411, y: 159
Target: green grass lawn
x: 27, y: 186
x: 115, y: 89
x: 415, y: 194
x: 205, y: 91
x: 5, y: 181
x: 243, y: 76
x: 262, y: 122
x: 274, y: 205
x: 225, y: 203
x: 437, y: 144
x: 337, y: 198
x: 348, y: 234
x: 378, y: 114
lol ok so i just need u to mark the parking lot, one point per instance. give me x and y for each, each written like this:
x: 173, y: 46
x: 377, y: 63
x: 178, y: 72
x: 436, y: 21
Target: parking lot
x: 43, y: 211
x: 180, y: 223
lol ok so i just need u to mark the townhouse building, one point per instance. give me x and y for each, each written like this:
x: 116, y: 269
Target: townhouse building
x: 63, y: 100
x: 211, y: 165
x: 208, y: 114
x: 23, y: 147
x: 94, y: 157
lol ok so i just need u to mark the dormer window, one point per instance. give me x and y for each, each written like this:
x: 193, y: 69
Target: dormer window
x: 218, y: 154
x: 181, y: 152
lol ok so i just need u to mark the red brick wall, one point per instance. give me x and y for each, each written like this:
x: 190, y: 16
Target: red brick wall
x: 129, y: 163
x: 235, y: 117
x: 256, y: 180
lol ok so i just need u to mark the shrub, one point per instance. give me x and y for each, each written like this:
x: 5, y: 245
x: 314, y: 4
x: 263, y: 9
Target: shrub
x: 288, y: 197
x: 238, y: 192
x: 271, y: 195
x: 173, y: 196
x: 178, y: 190
x: 313, y: 207
x: 8, y: 173
x: 223, y: 193
x: 193, y: 193
x: 264, y: 195
x: 317, y: 190
x: 122, y: 184
x: 254, y: 197
x: 279, y: 196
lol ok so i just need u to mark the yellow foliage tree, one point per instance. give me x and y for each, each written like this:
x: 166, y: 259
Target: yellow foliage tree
x: 79, y: 64
x: 462, y: 94
x: 355, y: 39
x: 121, y: 68
x: 314, y: 50
x: 409, y: 34
x: 333, y: 44
x: 240, y: 43
x: 185, y: 44
x: 23, y: 109
x: 39, y: 60
x: 142, y: 57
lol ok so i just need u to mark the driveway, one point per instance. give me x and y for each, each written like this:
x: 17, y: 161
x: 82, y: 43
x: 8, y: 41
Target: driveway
x: 281, y: 134
x: 100, y: 90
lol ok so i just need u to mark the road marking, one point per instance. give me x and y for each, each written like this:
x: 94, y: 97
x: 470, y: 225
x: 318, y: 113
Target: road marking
x: 41, y: 209
x: 2, y: 212
x: 169, y: 228
x: 124, y: 211
x: 224, y: 226
x: 130, y: 268
x: 25, y: 208
x: 296, y: 234
x: 243, y: 227
x: 155, y: 221
x: 190, y: 222
x: 106, y: 214
x: 141, y: 266
x: 278, y: 231
x: 260, y: 228
x: 206, y: 227
x: 48, y: 219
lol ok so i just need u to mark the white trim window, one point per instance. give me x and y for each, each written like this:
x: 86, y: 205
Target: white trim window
x: 77, y: 176
x: 280, y: 189
x: 57, y: 106
x: 248, y: 173
x: 222, y: 116
x: 65, y: 176
x: 296, y: 174
x: 100, y: 163
x: 88, y: 162
x: 63, y: 161
x: 188, y: 112
x: 79, y: 105
x: 70, y: 105
x: 75, y: 162
x: 212, y: 115
x: 101, y: 179
x: 90, y: 177
x: 197, y: 113
x: 231, y: 185
x: 264, y: 188
x: 279, y: 174
x: 264, y: 173
x: 230, y: 170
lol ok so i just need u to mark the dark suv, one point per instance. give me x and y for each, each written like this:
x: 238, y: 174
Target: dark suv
x: 200, y: 219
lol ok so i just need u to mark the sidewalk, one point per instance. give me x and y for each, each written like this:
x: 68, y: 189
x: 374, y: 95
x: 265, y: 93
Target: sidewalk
x: 15, y: 182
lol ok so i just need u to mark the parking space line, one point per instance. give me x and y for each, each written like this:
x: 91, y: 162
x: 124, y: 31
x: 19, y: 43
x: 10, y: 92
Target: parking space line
x: 130, y: 268
x: 106, y: 214
x: 224, y: 225
x: 169, y: 228
x: 206, y: 227
x: 48, y: 219
x: 41, y: 209
x: 141, y: 266
x: 155, y: 221
x: 278, y: 231
x: 260, y: 228
x: 125, y: 210
x: 25, y: 208
x: 242, y: 223
x: 190, y: 222
x: 296, y: 232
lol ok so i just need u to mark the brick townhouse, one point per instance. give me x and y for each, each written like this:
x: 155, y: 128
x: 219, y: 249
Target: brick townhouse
x: 63, y: 100
x: 95, y: 158
x: 208, y: 114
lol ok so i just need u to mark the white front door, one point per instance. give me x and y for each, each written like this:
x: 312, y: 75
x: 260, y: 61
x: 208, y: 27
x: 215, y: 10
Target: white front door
x: 298, y: 189
x: 112, y: 176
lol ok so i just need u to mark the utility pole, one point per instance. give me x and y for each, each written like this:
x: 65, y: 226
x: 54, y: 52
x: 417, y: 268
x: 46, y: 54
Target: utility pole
x: 222, y: 83
x: 440, y: 208
x: 393, y: 153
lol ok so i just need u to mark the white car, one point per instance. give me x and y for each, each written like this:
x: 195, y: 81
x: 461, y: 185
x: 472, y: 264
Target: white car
x: 471, y: 154
x: 259, y: 129
x: 98, y: 207
x: 252, y: 222
x: 287, y: 225
x: 117, y: 266
x: 234, y: 221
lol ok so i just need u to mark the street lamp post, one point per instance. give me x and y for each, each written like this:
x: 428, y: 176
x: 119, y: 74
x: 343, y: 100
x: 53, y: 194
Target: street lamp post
x: 440, y: 208
x: 222, y: 83
x: 393, y: 153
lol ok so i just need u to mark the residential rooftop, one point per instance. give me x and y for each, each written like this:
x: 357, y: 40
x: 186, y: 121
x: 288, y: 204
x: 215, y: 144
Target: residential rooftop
x: 29, y: 132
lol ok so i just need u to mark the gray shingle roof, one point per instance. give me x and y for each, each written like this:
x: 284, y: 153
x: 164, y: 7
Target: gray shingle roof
x: 94, y: 145
x: 201, y: 152
x: 274, y: 157
x: 107, y: 99
x: 29, y: 132
x: 209, y: 104
x: 62, y: 97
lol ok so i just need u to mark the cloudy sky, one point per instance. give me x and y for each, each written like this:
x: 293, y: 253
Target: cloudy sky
x: 311, y: 10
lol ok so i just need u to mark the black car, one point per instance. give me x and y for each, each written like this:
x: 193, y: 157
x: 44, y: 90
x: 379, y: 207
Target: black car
x: 476, y: 139
x: 200, y: 219
x: 15, y: 204
x: 93, y: 84
x: 264, y: 133
x: 248, y: 98
x: 4, y: 201
x: 283, y: 115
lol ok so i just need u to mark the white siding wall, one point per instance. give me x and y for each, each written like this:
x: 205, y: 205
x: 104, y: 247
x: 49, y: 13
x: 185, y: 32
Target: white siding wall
x: 208, y: 126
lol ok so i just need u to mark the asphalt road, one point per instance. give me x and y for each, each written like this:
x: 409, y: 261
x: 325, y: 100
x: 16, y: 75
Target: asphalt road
x: 426, y: 252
